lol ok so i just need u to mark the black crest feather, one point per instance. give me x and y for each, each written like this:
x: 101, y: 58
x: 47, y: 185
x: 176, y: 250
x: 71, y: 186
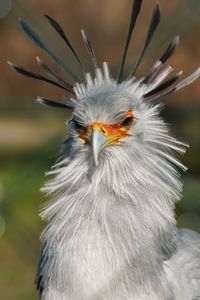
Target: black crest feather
x: 90, y: 50
x: 134, y: 14
x: 152, y: 28
x: 61, y: 32
x: 154, y: 81
x: 48, y: 102
x: 53, y: 75
x: 156, y: 67
x: 170, y: 49
x: 187, y: 81
x: 164, y: 85
x: 37, y: 76
x: 39, y: 43
x: 166, y: 55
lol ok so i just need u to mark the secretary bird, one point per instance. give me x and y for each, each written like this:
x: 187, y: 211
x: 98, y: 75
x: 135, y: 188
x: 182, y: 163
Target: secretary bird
x: 112, y: 231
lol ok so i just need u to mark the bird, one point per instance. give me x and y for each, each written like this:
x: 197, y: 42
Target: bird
x: 111, y: 232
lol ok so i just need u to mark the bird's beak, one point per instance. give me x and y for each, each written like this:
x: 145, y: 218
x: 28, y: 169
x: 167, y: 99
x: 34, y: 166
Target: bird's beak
x: 99, y: 140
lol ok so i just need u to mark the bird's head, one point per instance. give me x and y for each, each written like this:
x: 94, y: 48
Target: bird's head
x: 105, y: 117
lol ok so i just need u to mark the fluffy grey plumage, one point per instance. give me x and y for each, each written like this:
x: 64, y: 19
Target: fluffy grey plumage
x: 111, y: 232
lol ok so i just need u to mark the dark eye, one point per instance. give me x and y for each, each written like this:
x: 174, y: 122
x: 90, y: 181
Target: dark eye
x: 127, y: 121
x: 79, y: 127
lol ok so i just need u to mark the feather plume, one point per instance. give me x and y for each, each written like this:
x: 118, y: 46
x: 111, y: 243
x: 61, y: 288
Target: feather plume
x: 166, y: 55
x: 37, y: 76
x: 163, y: 85
x: 187, y: 81
x: 134, y: 14
x: 54, y: 76
x: 90, y: 50
x: 61, y: 32
x: 170, y: 49
x: 34, y: 37
x: 67, y: 103
x: 152, y: 28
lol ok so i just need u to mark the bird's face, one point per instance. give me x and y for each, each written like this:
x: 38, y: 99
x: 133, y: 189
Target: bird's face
x: 103, y: 119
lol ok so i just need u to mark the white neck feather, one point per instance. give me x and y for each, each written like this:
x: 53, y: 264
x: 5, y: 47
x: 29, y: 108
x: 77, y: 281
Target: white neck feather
x: 109, y: 222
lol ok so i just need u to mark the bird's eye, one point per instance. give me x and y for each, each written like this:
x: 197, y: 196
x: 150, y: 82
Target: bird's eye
x: 127, y: 121
x: 79, y: 127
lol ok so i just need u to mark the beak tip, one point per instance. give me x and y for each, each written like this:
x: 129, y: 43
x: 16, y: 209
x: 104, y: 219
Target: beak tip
x: 96, y: 164
x: 96, y: 161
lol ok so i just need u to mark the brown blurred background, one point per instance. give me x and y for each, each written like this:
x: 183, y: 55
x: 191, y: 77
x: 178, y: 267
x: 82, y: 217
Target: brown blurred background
x: 30, y: 135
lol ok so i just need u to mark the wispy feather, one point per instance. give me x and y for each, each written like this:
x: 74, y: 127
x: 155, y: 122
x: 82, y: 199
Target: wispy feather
x: 61, y: 32
x: 134, y: 14
x: 152, y: 28
x: 39, y: 43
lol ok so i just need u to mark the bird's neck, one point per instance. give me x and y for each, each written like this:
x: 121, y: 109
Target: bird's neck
x: 112, y: 218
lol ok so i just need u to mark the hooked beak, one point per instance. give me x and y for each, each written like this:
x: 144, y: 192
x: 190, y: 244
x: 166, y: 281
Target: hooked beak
x: 99, y: 141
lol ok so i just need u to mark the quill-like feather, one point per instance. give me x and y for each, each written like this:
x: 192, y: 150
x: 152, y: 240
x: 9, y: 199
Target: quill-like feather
x: 163, y: 85
x: 153, y: 26
x: 187, y: 81
x: 152, y: 72
x: 134, y: 14
x: 52, y: 103
x: 90, y: 50
x: 170, y: 49
x: 166, y: 55
x: 37, y: 76
x: 61, y: 32
x: 52, y: 74
x: 39, y: 43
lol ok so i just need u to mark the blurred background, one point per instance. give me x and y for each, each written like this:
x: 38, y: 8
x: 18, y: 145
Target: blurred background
x: 30, y: 135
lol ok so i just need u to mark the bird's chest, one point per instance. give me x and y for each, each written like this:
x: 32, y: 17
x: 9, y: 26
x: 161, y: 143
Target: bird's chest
x: 94, y: 263
x: 100, y: 268
x: 94, y: 259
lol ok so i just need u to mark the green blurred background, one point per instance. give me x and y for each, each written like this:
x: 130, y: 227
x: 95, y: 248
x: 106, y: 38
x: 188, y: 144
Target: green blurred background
x: 30, y: 135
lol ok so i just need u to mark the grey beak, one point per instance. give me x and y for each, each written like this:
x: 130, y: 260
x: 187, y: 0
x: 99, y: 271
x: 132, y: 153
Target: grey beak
x: 98, y: 143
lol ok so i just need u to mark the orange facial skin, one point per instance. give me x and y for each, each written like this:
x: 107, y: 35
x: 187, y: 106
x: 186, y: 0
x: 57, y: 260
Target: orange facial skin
x: 113, y: 132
